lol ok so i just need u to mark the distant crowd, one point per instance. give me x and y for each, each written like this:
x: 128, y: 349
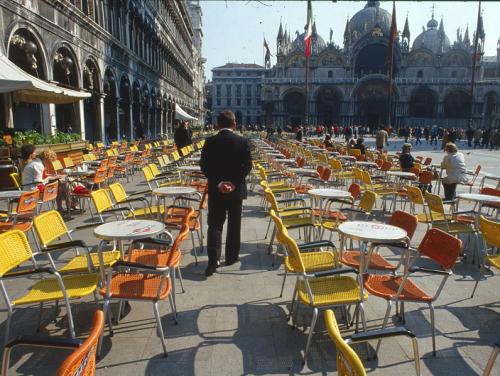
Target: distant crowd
x: 475, y: 138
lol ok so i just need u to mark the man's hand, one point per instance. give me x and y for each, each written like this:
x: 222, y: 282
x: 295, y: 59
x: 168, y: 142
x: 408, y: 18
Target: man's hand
x: 226, y: 187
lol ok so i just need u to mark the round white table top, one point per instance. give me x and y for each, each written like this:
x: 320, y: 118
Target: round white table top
x: 8, y: 195
x: 70, y: 172
x: 372, y: 231
x: 365, y: 163
x: 401, y: 174
x: 189, y: 168
x: 479, y: 197
x: 328, y: 193
x: 129, y: 229
x: 193, y: 159
x: 286, y: 160
x: 348, y: 157
x: 174, y: 190
x: 303, y: 170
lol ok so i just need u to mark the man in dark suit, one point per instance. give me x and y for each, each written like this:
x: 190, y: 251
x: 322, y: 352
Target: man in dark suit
x: 182, y: 135
x: 225, y: 161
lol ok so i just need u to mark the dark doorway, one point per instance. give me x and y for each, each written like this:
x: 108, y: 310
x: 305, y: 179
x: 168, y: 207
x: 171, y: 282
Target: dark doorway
x: 295, y: 107
x: 91, y: 105
x: 373, y: 105
x: 457, y: 104
x: 423, y: 103
x: 65, y: 73
x: 328, y: 106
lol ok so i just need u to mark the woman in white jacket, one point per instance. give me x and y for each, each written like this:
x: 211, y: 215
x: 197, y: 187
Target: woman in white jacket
x: 456, y: 173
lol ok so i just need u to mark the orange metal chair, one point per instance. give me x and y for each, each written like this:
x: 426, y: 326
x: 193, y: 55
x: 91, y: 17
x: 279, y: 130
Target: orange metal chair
x: 82, y: 360
x: 22, y: 218
x: 438, y: 246
x: 132, y: 281
x: 171, y: 257
x: 49, y: 195
x: 399, y: 219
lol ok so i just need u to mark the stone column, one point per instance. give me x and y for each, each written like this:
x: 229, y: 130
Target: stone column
x: 49, y: 113
x: 131, y: 121
x: 101, y: 117
x: 118, y: 130
x: 81, y: 119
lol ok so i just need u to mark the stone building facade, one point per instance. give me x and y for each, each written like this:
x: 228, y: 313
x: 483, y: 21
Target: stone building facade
x: 198, y: 61
x: 349, y: 84
x: 134, y: 56
x: 237, y: 87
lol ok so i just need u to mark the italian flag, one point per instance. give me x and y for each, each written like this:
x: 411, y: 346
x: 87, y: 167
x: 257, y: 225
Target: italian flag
x: 307, y: 37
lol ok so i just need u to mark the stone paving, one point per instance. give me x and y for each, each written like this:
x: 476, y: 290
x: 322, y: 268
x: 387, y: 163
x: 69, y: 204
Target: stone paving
x: 234, y: 322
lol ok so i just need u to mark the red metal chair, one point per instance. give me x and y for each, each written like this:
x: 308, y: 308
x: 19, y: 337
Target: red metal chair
x: 438, y: 246
x: 81, y: 361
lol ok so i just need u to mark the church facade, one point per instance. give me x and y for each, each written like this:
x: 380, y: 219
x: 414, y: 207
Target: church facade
x: 349, y: 84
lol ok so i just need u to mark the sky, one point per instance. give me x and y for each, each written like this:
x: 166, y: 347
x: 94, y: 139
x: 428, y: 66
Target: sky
x: 234, y: 30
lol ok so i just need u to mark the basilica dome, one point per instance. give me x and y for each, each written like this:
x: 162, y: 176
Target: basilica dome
x: 318, y: 43
x: 367, y: 19
x: 433, y: 39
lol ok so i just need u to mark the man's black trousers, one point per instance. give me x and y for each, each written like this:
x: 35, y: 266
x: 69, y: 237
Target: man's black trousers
x: 217, y: 210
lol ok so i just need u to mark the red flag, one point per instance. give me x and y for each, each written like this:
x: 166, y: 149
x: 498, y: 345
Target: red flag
x: 392, y: 37
x: 307, y: 37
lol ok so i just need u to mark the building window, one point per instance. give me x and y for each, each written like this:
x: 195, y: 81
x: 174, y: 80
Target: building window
x: 218, y: 90
x: 420, y: 74
x: 218, y: 102
x: 228, y: 90
x: 249, y: 102
x: 249, y: 90
x: 454, y: 74
x: 229, y: 102
x: 238, y: 102
x: 330, y: 74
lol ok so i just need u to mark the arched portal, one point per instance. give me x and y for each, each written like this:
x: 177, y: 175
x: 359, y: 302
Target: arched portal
x: 110, y: 118
x: 490, y: 103
x: 26, y: 52
x: 66, y: 74
x: 372, y: 99
x: 91, y: 105
x: 372, y: 60
x: 145, y: 110
x: 125, y: 107
x: 457, y: 104
x: 328, y: 105
x: 136, y: 108
x: 295, y: 107
x: 423, y: 103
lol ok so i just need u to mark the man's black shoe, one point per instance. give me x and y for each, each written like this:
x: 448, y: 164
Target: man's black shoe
x: 231, y: 262
x: 210, y: 270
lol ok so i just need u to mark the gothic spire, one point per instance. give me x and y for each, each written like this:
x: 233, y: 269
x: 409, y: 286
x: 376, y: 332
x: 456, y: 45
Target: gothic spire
x: 441, y: 28
x: 406, y: 29
x: 280, y: 31
x: 314, y: 31
x: 347, y: 33
x: 481, y: 28
x: 466, y: 39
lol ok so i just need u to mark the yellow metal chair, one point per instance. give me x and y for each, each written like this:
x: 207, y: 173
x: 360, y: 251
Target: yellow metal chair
x: 68, y: 162
x: 16, y: 180
x: 15, y: 250
x: 57, y: 167
x: 319, y: 290
x: 491, y: 237
x: 104, y: 205
x: 121, y: 197
x: 50, y: 227
x: 296, y: 216
x: 348, y: 362
x: 364, y: 208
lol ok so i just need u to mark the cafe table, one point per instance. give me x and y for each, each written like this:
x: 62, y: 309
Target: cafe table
x: 319, y: 195
x: 368, y: 232
x: 189, y: 168
x: 126, y: 230
x: 172, y: 191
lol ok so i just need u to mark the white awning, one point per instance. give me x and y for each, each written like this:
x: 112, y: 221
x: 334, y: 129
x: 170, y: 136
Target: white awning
x: 181, y: 114
x: 27, y: 88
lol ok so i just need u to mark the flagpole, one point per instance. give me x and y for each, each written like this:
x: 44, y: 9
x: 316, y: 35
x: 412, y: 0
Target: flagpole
x: 391, y: 71
x: 474, y: 60
x: 307, y: 91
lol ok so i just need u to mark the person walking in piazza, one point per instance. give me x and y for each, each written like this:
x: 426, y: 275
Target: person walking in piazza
x: 478, y: 133
x: 381, y: 139
x: 418, y: 135
x: 226, y: 161
x: 469, y: 134
x: 456, y: 173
